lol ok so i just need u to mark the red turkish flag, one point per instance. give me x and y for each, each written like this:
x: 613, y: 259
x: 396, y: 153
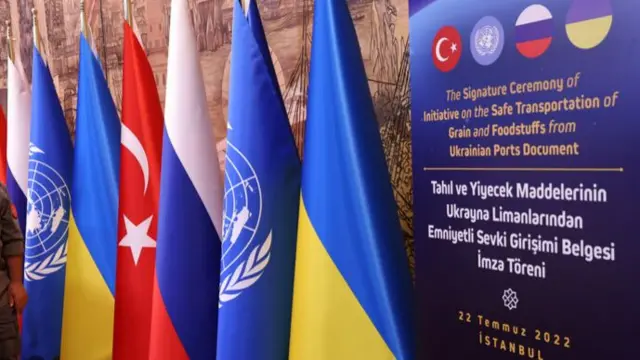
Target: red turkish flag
x: 446, y: 48
x: 141, y: 150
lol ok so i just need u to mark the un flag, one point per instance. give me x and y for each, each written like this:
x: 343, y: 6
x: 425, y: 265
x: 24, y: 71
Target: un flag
x: 48, y: 217
x: 262, y: 189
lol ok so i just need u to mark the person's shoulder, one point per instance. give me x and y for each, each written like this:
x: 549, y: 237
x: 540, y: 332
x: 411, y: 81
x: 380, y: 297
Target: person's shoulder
x: 5, y: 200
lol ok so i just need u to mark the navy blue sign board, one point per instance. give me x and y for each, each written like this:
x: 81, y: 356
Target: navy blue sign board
x: 525, y: 127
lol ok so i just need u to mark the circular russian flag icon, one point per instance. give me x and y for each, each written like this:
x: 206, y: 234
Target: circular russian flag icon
x: 534, y: 30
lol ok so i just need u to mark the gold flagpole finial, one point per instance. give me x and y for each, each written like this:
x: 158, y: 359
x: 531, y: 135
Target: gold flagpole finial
x: 36, y: 32
x: 83, y: 20
x: 128, y: 12
x: 10, y: 41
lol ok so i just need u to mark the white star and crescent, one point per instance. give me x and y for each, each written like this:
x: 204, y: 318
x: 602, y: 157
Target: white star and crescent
x: 453, y: 48
x: 137, y: 238
x: 130, y: 141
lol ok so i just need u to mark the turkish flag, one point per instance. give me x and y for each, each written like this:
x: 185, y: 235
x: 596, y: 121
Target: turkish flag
x: 446, y: 48
x: 141, y: 151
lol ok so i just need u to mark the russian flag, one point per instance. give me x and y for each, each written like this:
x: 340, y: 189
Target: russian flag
x: 18, y: 130
x: 534, y: 31
x: 185, y: 297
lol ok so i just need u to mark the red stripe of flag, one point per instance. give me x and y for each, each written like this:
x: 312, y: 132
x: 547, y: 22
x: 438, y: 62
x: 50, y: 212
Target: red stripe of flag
x: 165, y: 343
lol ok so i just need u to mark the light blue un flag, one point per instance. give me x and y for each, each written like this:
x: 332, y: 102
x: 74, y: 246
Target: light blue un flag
x: 262, y: 189
x: 47, y: 225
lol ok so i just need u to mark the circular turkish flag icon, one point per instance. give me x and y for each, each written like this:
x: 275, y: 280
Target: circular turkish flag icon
x: 446, y: 48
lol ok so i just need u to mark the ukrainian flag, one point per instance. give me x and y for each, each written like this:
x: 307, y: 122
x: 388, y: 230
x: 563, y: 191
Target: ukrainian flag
x: 352, y: 291
x: 87, y: 331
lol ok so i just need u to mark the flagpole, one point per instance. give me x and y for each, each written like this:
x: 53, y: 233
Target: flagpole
x: 245, y: 6
x: 36, y: 30
x: 128, y: 13
x: 83, y: 21
x: 10, y: 42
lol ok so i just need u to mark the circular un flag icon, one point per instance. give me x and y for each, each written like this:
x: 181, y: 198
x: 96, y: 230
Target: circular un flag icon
x: 487, y: 40
x: 589, y: 22
x: 534, y: 31
x: 446, y: 48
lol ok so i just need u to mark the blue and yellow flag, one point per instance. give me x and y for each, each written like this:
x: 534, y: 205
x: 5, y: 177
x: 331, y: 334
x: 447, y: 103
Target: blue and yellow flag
x: 48, y: 209
x: 352, y: 290
x: 262, y: 192
x: 87, y: 331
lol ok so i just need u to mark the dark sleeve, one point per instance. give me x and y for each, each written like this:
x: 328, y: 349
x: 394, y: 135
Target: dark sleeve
x: 11, y: 236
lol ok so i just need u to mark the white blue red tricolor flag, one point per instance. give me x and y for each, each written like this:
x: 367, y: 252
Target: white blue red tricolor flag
x: 18, y: 129
x: 185, y: 296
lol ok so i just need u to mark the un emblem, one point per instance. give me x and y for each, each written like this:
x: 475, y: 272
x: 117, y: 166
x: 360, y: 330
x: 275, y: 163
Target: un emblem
x: 48, y: 206
x: 244, y: 255
x: 487, y: 39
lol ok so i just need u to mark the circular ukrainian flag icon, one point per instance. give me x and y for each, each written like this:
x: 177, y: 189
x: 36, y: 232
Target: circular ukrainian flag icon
x: 589, y: 22
x: 534, y: 31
